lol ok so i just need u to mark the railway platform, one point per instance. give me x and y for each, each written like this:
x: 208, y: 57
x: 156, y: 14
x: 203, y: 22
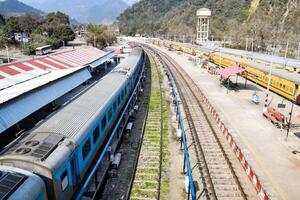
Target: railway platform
x: 272, y: 155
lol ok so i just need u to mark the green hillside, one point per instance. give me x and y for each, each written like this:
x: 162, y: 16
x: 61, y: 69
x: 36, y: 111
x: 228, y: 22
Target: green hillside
x: 264, y: 20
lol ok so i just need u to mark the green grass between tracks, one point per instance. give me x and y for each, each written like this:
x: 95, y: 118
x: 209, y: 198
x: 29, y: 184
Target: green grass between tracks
x: 152, y: 138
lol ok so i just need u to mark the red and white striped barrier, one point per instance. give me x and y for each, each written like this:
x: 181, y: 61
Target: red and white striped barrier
x: 238, y: 152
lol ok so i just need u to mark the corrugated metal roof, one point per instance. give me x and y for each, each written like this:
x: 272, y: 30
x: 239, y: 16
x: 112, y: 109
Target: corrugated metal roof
x: 26, y: 86
x: 14, y: 111
x: 17, y: 78
x: 103, y: 59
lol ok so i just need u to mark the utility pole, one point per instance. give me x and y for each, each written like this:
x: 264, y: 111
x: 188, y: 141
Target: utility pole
x: 224, y: 41
x: 268, y: 88
x: 95, y: 41
x: 246, y: 44
x: 285, y: 54
x: 298, y: 56
x: 290, y: 119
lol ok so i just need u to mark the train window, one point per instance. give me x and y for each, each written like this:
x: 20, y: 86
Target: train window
x: 283, y: 86
x: 119, y: 100
x: 109, y: 114
x: 280, y: 85
x: 73, y: 166
x: 115, y: 106
x: 86, y: 149
x: 64, y: 180
x: 103, y: 123
x: 96, y: 134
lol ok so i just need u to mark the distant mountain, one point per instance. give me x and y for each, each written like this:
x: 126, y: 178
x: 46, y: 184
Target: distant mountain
x: 15, y: 7
x: 84, y: 11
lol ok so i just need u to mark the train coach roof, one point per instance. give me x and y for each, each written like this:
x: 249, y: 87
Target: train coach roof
x: 236, y: 52
x: 70, y: 120
x: 292, y: 76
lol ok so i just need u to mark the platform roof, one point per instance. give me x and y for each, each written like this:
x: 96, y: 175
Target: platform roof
x: 21, y: 77
x: 26, y: 86
x: 230, y: 71
x: 19, y: 108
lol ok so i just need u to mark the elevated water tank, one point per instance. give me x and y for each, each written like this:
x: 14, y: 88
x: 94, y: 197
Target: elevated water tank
x: 203, y: 15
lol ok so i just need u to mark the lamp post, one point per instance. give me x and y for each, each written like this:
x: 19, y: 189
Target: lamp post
x: 298, y: 55
x: 290, y: 114
x: 286, y: 52
x: 252, y: 46
x: 290, y: 118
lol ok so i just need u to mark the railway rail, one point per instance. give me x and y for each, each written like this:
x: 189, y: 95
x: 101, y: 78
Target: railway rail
x: 147, y: 179
x: 221, y: 178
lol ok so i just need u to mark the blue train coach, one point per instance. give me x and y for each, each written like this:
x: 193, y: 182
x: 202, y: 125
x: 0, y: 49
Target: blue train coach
x: 61, y: 150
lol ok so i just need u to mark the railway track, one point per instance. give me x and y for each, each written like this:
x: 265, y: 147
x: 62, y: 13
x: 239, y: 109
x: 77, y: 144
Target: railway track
x: 221, y: 180
x: 147, y: 180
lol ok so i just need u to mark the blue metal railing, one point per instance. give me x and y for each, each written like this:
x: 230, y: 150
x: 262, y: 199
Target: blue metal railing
x: 185, y: 149
x: 91, y: 175
x: 191, y: 189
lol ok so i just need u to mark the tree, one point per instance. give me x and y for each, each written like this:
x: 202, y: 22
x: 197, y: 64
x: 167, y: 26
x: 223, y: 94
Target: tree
x: 64, y: 33
x: 57, y: 18
x: 100, y: 35
x: 2, y: 20
x: 3, y: 41
x: 10, y: 28
x: 29, y: 22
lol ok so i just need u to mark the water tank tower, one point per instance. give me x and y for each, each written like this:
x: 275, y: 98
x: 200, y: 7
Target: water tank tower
x: 203, y: 15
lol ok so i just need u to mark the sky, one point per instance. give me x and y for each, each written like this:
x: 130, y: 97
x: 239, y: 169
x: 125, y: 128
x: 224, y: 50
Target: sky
x: 129, y: 2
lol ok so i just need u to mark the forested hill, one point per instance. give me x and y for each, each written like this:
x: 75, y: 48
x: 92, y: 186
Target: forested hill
x: 264, y: 20
x: 15, y: 7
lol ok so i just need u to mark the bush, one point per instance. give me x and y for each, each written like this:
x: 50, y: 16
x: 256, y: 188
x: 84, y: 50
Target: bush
x: 30, y: 49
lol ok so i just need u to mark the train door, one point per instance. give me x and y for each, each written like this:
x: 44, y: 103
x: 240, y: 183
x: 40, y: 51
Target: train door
x: 74, y: 170
x: 297, y: 94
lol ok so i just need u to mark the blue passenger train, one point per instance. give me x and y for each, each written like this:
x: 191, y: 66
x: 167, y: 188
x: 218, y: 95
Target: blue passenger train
x: 57, y: 154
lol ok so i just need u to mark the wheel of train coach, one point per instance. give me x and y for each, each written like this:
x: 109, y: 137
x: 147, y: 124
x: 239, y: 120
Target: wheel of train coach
x: 54, y: 159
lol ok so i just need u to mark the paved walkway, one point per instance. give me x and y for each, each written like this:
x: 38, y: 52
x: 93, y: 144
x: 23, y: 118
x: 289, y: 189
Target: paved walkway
x: 269, y: 152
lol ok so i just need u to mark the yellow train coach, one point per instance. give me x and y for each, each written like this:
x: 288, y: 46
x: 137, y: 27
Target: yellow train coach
x: 282, y: 82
